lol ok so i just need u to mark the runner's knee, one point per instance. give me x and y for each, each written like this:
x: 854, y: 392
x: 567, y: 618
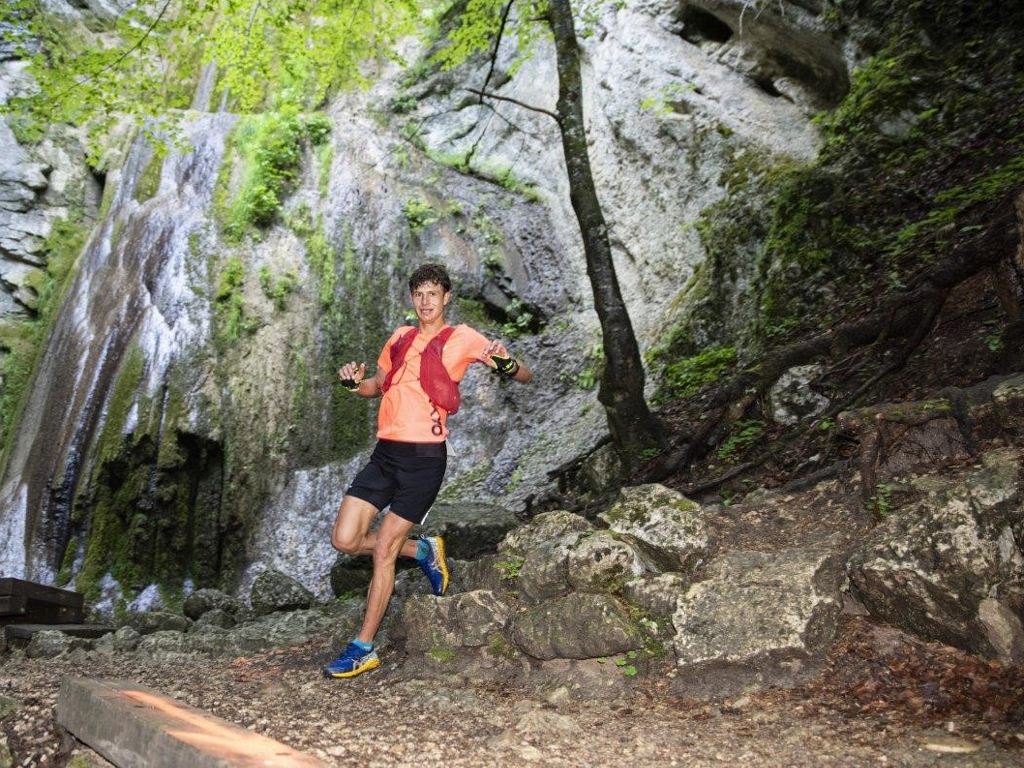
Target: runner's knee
x: 345, y: 543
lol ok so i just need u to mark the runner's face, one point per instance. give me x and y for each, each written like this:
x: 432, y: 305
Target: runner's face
x: 429, y: 300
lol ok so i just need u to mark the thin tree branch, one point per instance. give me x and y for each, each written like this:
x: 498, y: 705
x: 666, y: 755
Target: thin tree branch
x: 497, y: 44
x: 518, y: 103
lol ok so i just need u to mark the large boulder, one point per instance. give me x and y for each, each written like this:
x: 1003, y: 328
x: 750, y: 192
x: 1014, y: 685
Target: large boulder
x: 758, y: 618
x: 469, y: 619
x: 657, y: 594
x: 791, y: 399
x: 497, y: 573
x: 203, y: 600
x: 279, y: 630
x: 544, y: 571
x: 667, y: 526
x: 543, y: 528
x: 48, y: 643
x: 469, y: 529
x: 949, y: 567
x: 148, y: 622
x: 577, y: 626
x: 1008, y: 399
x: 604, y: 561
x: 165, y: 643
x: 274, y: 591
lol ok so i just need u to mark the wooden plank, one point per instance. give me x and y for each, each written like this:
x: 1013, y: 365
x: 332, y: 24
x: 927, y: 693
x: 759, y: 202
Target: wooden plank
x: 134, y: 726
x: 41, y: 592
x: 25, y: 631
x: 45, y: 613
x: 12, y: 605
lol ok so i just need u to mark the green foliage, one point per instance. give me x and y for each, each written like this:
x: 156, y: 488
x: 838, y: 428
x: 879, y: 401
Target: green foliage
x: 419, y: 213
x: 510, y: 568
x: 521, y: 321
x: 278, y: 290
x: 229, y: 303
x: 589, y: 374
x: 744, y: 434
x: 298, y: 51
x: 662, y: 103
x: 270, y: 146
x: 478, y: 26
x: 686, y: 377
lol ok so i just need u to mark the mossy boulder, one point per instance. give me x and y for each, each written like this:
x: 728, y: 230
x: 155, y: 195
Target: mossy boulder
x: 758, y: 618
x: 469, y: 619
x: 274, y: 591
x: 148, y: 622
x: 203, y: 600
x: 577, y: 626
x: 543, y: 528
x: 1008, y: 398
x: 603, y: 561
x: 668, y: 527
x: 931, y: 566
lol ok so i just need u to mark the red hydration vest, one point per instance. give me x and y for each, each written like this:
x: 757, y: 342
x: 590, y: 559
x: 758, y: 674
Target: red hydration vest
x: 434, y: 377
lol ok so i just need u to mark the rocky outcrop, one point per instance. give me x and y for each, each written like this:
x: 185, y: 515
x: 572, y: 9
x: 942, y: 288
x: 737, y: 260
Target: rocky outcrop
x: 149, y: 622
x: 467, y: 620
x: 757, y: 619
x: 204, y: 600
x: 577, y: 626
x: 949, y: 567
x: 274, y: 591
x: 668, y: 526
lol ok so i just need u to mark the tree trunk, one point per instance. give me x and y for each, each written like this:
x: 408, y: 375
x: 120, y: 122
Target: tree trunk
x: 633, y: 428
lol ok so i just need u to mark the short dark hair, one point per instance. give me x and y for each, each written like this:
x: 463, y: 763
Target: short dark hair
x: 430, y: 273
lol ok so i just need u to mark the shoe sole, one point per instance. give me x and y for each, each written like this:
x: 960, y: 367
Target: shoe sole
x: 444, y: 565
x: 357, y: 671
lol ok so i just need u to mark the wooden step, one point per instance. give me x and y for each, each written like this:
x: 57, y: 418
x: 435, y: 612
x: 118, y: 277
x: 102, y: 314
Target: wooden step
x: 41, y: 593
x: 12, y: 605
x: 23, y: 631
x: 132, y: 725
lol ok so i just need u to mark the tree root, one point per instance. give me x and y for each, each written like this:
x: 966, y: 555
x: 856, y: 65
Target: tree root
x: 900, y: 315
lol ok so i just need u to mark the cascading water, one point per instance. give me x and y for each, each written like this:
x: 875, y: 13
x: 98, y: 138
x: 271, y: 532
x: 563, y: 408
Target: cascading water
x: 133, y: 288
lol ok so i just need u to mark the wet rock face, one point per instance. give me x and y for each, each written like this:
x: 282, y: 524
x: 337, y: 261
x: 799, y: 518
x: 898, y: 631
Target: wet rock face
x: 577, y: 626
x: 757, y: 618
x: 274, y: 591
x: 950, y: 567
x: 668, y: 527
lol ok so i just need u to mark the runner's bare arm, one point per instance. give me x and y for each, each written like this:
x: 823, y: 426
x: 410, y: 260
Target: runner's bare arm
x: 353, y: 375
x: 497, y: 357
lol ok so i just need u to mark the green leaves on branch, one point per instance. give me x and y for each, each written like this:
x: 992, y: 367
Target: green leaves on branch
x: 147, y: 64
x: 481, y: 22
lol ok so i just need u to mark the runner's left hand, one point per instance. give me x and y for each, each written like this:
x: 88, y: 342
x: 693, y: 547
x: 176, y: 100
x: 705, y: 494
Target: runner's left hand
x: 493, y: 348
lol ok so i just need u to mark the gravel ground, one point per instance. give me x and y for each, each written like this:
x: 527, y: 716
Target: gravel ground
x: 860, y: 712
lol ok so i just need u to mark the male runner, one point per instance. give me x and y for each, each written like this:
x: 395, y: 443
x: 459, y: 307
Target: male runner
x: 408, y: 463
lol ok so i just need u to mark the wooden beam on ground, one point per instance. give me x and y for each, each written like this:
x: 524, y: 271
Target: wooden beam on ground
x: 134, y: 726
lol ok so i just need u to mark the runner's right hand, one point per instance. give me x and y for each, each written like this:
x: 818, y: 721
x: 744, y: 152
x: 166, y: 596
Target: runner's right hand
x: 351, y: 374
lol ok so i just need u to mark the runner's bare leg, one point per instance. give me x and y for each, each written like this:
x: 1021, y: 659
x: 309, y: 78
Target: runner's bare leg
x: 392, y: 539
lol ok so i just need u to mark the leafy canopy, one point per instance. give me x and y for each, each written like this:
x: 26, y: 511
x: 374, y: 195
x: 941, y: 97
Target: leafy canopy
x: 145, y: 63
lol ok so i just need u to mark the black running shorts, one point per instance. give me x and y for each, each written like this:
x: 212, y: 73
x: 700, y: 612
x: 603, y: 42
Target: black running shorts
x: 405, y: 475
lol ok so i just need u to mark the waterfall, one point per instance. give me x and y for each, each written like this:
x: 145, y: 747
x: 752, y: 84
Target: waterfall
x: 133, y: 286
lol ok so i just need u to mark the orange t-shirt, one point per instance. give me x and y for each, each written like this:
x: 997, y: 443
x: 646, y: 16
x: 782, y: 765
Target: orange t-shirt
x: 406, y: 413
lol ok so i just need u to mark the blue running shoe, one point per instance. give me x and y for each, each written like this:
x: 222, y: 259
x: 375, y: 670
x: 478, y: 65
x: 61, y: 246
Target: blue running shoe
x: 434, y: 564
x: 353, y: 661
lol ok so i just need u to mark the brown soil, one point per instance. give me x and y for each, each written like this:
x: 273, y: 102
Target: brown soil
x: 882, y: 697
